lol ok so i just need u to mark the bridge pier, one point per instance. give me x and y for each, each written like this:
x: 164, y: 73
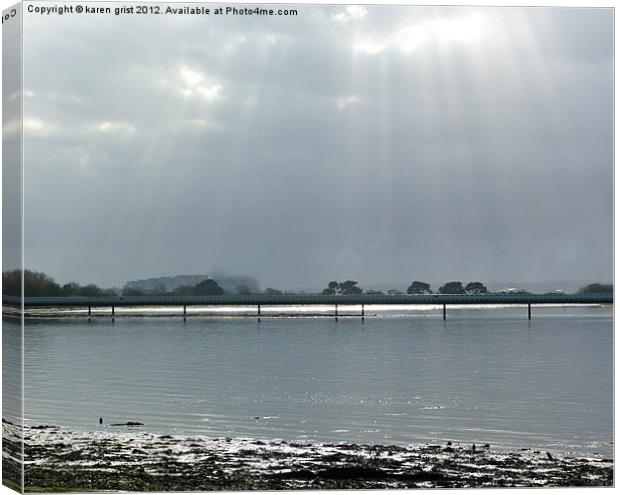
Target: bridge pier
x: 336, y: 312
x: 444, y: 311
x: 529, y: 311
x: 258, y: 312
x: 112, y: 313
x: 185, y: 312
x: 362, y: 312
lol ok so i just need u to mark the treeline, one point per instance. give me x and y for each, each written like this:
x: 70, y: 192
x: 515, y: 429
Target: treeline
x: 38, y: 284
x: 597, y: 289
x: 416, y: 287
x: 454, y: 287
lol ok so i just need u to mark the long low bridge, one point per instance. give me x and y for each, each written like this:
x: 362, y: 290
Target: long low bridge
x: 260, y: 300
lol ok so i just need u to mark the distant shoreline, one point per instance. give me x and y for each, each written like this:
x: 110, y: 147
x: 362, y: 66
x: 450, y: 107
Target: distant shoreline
x: 58, y: 459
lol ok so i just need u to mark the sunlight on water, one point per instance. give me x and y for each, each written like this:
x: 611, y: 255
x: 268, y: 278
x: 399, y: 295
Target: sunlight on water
x: 377, y: 310
x: 484, y: 375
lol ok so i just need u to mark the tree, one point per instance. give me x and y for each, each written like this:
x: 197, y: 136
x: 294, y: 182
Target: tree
x: 418, y: 287
x: 12, y: 283
x: 394, y: 292
x: 475, y: 288
x: 272, y: 292
x: 37, y: 284
x: 350, y: 287
x: 243, y: 290
x: 185, y: 290
x: 71, y: 289
x: 452, y: 288
x: 597, y: 289
x: 208, y: 287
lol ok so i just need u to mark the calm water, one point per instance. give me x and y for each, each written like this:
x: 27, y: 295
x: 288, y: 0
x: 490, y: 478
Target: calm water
x: 484, y: 375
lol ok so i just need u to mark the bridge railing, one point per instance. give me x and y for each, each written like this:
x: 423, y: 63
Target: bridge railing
x: 312, y: 299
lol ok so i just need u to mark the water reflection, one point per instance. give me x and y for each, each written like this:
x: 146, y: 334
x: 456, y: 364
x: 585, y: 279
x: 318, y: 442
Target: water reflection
x: 480, y: 376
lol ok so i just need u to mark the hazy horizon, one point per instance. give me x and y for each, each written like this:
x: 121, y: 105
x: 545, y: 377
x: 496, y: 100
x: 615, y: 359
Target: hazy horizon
x: 372, y: 143
x: 383, y: 285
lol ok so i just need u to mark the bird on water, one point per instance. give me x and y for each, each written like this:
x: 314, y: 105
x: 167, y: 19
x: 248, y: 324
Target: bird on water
x: 100, y: 421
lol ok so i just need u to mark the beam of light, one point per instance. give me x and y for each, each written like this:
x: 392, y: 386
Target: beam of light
x: 444, y: 47
x: 269, y: 58
x: 530, y: 80
x: 407, y: 39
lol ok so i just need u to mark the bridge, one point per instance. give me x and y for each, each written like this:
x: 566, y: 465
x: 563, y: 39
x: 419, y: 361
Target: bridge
x: 261, y: 300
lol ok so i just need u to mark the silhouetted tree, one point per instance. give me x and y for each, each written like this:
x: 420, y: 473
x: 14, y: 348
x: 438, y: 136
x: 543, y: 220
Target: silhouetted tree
x: 348, y: 287
x: 332, y: 288
x: 38, y: 284
x: 475, y: 288
x: 35, y: 284
x: 243, y: 290
x: 208, y: 287
x: 71, y: 289
x: 418, y: 287
x: 452, y: 288
x: 272, y: 292
x: 12, y: 283
x: 597, y: 289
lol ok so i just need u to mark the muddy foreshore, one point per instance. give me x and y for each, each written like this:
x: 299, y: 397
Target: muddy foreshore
x: 58, y: 459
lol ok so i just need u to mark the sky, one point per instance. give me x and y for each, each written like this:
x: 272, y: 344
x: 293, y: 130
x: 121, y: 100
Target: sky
x: 380, y: 144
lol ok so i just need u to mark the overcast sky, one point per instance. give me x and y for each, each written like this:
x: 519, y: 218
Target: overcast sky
x: 382, y: 144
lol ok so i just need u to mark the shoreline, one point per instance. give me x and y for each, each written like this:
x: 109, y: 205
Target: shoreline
x: 58, y: 459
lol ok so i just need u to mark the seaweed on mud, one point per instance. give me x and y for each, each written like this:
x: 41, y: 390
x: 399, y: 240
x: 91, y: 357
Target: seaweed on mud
x: 149, y: 462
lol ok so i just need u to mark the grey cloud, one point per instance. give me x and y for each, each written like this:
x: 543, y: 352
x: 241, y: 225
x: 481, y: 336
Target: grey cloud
x: 487, y: 159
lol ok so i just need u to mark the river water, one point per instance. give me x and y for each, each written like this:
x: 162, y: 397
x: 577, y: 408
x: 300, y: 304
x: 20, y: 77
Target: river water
x: 486, y: 375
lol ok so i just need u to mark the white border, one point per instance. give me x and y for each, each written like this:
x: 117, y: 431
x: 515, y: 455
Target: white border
x: 545, y: 3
